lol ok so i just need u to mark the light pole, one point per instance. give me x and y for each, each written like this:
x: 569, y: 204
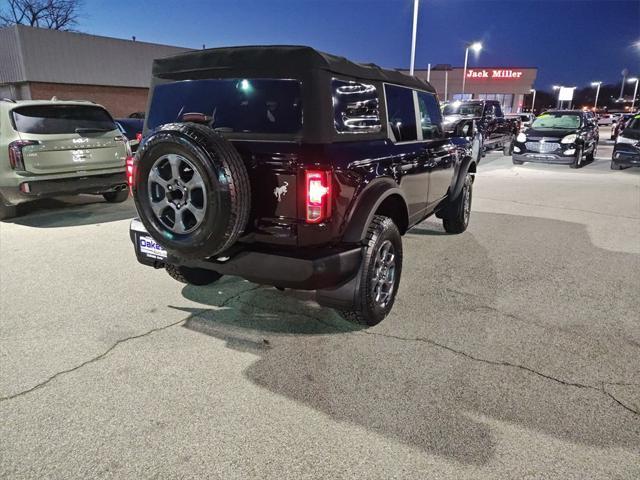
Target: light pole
x: 533, y: 101
x: 413, y: 37
x: 476, y: 47
x: 635, y: 92
x: 596, y: 84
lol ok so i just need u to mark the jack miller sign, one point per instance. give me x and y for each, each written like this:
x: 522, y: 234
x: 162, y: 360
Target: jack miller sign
x: 499, y: 73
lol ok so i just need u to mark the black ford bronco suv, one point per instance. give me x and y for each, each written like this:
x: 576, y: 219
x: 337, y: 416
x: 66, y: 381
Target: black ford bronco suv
x: 293, y: 168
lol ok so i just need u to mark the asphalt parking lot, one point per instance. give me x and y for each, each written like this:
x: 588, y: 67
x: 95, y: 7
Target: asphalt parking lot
x: 513, y: 350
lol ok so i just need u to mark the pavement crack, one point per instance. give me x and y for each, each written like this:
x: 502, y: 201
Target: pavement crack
x: 91, y: 360
x: 503, y: 363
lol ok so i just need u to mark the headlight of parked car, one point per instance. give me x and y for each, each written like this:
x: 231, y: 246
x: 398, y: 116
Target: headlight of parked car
x: 630, y: 141
x: 521, y: 138
x: 569, y: 138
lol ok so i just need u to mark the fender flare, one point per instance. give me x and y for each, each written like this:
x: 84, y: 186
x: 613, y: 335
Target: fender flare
x: 365, y: 208
x: 462, y: 173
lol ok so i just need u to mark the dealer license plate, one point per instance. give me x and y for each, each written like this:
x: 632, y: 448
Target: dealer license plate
x: 150, y: 248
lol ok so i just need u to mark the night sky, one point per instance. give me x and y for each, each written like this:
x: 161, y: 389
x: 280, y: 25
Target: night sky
x: 572, y: 42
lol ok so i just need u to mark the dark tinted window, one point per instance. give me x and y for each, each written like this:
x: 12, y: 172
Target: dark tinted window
x: 430, y: 117
x: 56, y: 119
x: 401, y: 113
x: 234, y: 105
x: 355, y: 107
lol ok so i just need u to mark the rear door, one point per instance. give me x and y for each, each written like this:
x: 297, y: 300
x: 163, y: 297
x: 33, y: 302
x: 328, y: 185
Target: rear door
x: 71, y: 138
x: 441, y: 160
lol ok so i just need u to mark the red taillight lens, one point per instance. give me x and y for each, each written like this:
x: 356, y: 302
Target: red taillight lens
x: 318, y: 195
x: 16, y: 160
x: 139, y: 137
x: 130, y: 173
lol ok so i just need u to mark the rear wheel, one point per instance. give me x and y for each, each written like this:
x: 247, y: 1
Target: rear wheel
x: 193, y: 276
x: 456, y: 215
x: 516, y: 162
x: 379, y: 273
x: 116, y: 197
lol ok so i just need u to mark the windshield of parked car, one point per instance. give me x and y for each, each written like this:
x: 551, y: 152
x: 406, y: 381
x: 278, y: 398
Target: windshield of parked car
x: 232, y: 105
x: 557, y: 120
x: 59, y: 119
x: 458, y: 108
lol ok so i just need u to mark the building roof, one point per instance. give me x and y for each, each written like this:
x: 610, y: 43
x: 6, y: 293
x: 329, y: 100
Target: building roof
x: 282, y: 60
x: 29, y: 54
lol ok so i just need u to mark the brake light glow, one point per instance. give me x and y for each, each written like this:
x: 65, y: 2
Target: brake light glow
x: 139, y: 137
x: 16, y: 159
x: 130, y: 173
x: 318, y: 195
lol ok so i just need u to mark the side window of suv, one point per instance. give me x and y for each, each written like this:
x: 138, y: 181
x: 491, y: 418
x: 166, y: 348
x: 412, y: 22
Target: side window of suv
x: 401, y: 114
x: 430, y: 116
x: 355, y: 107
x: 497, y: 110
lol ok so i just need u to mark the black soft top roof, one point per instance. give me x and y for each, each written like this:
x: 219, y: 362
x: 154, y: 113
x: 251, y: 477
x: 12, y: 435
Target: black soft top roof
x: 283, y: 61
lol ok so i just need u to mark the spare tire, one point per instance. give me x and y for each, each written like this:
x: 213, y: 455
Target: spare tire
x: 191, y: 190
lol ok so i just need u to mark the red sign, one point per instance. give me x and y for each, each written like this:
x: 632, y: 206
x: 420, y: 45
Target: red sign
x: 501, y: 73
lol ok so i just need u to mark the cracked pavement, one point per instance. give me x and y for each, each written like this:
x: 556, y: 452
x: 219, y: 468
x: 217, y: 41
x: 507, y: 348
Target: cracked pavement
x: 513, y: 350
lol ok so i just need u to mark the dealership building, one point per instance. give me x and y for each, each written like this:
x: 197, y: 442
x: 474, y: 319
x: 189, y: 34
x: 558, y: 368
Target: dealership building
x: 38, y: 64
x: 508, y: 85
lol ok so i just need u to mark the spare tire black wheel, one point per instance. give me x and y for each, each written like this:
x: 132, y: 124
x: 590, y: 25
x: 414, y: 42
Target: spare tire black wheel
x: 191, y: 190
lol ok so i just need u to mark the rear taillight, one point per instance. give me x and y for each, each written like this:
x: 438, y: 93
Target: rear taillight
x: 16, y: 159
x: 318, y: 195
x: 139, y: 137
x: 130, y: 173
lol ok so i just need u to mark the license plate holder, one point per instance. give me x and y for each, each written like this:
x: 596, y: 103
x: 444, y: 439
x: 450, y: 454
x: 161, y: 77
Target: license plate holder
x: 147, y: 248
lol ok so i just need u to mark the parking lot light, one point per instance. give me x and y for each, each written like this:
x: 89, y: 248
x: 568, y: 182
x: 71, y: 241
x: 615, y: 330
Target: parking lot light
x: 476, y: 47
x: 596, y: 84
x: 635, y: 91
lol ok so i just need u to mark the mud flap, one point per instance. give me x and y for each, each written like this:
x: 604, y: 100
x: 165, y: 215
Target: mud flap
x: 342, y: 297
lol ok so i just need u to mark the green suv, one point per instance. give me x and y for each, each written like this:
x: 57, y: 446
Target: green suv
x: 50, y: 148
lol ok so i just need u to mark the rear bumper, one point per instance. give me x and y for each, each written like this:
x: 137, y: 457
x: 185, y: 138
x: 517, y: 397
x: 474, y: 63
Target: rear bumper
x: 32, y: 189
x: 626, y: 157
x: 311, y: 269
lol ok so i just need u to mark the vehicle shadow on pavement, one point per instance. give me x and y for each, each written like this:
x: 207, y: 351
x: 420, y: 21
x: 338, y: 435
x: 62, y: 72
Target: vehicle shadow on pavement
x: 484, y: 345
x: 71, y: 211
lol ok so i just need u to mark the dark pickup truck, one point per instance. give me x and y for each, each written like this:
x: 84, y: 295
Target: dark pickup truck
x: 293, y: 168
x: 492, y: 130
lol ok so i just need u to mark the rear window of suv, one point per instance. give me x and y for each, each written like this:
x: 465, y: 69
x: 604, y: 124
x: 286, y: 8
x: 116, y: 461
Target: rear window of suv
x: 61, y: 119
x: 239, y: 105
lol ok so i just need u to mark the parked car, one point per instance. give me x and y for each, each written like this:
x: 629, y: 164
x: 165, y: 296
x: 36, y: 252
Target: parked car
x: 50, y: 148
x: 525, y: 119
x: 302, y: 171
x: 557, y: 136
x: 605, y: 119
x: 620, y: 125
x: 139, y: 115
x: 626, y: 152
x: 132, y: 129
x: 492, y: 131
